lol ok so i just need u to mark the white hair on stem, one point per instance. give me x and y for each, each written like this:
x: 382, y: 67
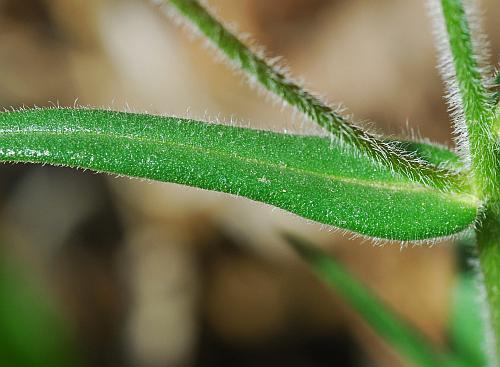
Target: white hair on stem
x: 463, y: 59
x: 276, y: 80
x: 447, y: 70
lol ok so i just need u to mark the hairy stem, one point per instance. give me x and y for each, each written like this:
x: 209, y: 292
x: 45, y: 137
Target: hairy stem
x: 277, y: 83
x: 473, y: 99
x: 476, y: 105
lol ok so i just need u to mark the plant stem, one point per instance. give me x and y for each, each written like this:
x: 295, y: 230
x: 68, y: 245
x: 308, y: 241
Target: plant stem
x: 471, y: 98
x: 406, y: 340
x: 273, y: 80
x: 476, y: 105
x: 488, y: 241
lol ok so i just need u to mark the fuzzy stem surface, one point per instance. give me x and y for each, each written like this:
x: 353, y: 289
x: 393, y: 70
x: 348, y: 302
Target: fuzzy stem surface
x: 475, y: 102
x: 276, y: 82
x: 478, y: 108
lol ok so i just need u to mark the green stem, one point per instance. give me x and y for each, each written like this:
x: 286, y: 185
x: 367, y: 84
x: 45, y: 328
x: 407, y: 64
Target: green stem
x: 478, y: 110
x: 277, y: 83
x: 474, y: 100
x: 405, y: 339
x: 488, y: 239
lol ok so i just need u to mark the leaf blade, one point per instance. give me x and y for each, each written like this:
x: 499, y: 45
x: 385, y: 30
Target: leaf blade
x: 321, y: 182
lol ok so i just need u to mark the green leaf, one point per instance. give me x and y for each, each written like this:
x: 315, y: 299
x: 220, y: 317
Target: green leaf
x: 302, y: 174
x: 32, y: 334
x: 406, y: 340
x: 467, y: 324
x: 275, y: 81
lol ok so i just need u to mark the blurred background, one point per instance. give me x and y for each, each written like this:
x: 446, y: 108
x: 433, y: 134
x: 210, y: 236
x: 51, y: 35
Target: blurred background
x: 105, y: 271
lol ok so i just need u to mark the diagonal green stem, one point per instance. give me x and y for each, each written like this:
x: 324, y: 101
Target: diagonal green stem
x: 406, y: 340
x: 277, y: 83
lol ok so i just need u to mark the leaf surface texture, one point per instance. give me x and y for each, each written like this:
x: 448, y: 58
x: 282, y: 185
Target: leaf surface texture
x: 306, y: 175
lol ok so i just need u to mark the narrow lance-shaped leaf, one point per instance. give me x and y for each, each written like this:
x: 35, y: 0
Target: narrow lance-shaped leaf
x: 302, y: 174
x: 274, y: 81
x: 407, y: 341
x: 32, y: 333
x: 467, y: 328
x: 469, y: 98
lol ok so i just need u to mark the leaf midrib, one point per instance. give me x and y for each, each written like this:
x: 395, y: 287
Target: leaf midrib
x: 465, y: 198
